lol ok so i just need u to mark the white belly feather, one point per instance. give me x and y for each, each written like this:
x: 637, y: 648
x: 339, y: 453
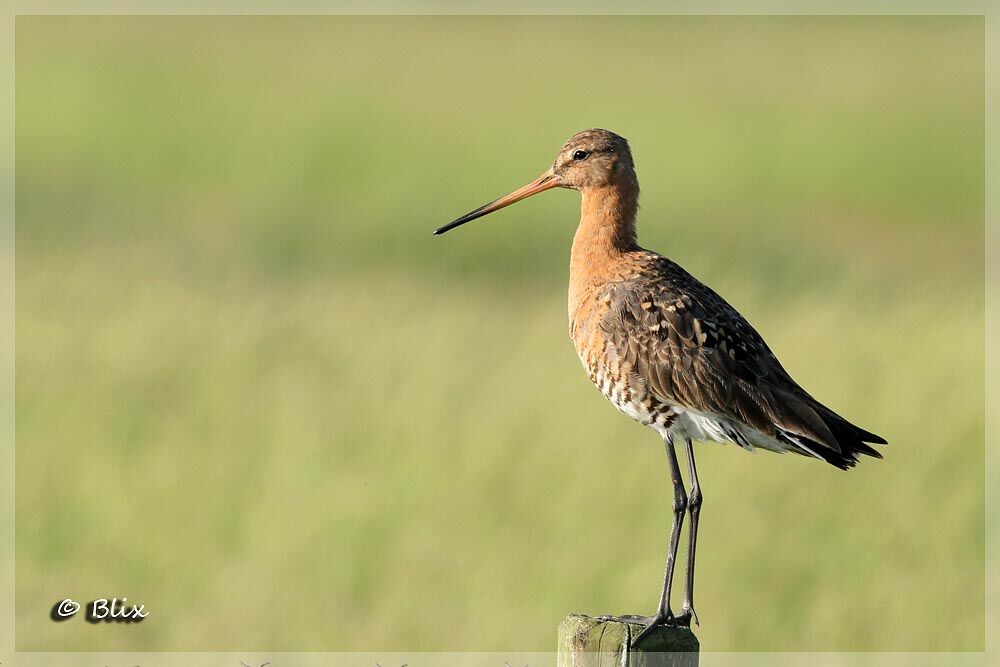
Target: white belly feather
x: 680, y: 423
x: 713, y: 428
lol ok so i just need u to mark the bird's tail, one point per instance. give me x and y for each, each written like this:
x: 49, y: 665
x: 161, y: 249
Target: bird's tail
x: 848, y: 441
x: 815, y: 430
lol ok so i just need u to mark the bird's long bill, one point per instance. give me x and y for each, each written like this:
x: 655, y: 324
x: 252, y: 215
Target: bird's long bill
x: 546, y: 181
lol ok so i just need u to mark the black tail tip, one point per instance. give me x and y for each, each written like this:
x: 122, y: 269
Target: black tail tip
x: 867, y: 436
x: 849, y: 455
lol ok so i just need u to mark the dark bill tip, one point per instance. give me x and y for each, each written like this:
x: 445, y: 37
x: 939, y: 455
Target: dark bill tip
x: 457, y: 222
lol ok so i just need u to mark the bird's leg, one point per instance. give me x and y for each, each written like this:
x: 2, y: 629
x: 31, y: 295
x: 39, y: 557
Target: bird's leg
x: 663, y: 613
x: 694, y: 508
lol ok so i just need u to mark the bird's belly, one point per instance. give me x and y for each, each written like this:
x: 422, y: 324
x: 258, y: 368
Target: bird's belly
x: 676, y: 422
x: 702, y: 426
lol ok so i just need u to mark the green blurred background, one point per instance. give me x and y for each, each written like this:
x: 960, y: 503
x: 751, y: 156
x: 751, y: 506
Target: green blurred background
x: 256, y: 395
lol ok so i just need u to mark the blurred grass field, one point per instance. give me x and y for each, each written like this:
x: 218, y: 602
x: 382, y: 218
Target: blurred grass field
x: 256, y: 395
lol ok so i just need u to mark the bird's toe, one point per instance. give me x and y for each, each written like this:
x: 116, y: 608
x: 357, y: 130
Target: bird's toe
x: 633, y: 619
x: 653, y: 622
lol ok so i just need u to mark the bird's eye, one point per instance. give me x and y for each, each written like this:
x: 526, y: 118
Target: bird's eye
x: 580, y: 155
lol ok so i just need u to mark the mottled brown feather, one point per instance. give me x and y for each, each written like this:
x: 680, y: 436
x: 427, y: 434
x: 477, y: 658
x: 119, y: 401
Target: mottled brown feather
x: 695, y: 351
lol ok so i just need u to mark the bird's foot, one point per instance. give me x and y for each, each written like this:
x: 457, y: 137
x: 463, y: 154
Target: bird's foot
x: 634, y: 619
x: 662, y: 619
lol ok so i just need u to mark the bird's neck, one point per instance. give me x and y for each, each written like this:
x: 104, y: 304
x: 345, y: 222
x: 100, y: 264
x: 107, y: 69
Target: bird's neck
x: 606, y: 233
x: 607, y: 225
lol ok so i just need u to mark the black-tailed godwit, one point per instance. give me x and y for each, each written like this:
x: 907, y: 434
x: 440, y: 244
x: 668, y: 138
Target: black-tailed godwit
x: 668, y: 351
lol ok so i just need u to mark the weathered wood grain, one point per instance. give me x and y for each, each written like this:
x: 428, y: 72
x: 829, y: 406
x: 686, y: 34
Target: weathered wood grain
x: 586, y: 641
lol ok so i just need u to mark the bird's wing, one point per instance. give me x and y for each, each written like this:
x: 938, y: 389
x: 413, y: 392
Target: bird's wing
x: 694, y: 350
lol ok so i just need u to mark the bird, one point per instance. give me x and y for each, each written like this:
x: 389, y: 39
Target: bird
x: 668, y: 351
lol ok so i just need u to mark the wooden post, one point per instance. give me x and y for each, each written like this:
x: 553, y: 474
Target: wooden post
x: 604, y: 642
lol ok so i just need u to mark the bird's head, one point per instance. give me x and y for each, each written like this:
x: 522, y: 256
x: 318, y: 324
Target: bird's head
x: 594, y: 158
x: 590, y: 159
